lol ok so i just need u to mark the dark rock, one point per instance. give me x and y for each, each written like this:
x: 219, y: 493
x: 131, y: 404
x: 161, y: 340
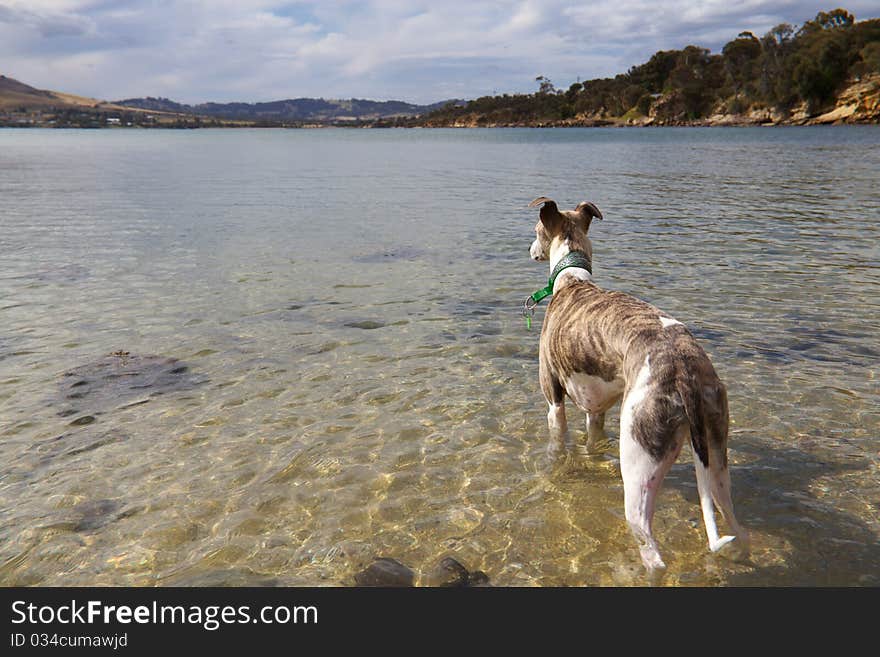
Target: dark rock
x: 85, y: 444
x: 100, y: 386
x: 448, y: 573
x: 94, y: 514
x: 400, y: 253
x: 366, y: 324
x: 385, y: 572
x: 478, y: 578
x: 76, y: 442
x: 64, y: 274
x: 227, y: 578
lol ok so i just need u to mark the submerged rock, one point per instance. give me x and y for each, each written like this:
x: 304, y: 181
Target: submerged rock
x: 94, y: 514
x: 385, y: 572
x: 450, y: 573
x: 64, y: 274
x: 478, y: 578
x: 366, y: 324
x: 400, y: 253
x: 228, y: 578
x: 121, y: 376
x: 447, y: 573
x: 73, y: 443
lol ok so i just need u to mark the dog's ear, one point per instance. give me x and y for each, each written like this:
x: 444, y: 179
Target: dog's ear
x: 549, y: 214
x: 587, y: 210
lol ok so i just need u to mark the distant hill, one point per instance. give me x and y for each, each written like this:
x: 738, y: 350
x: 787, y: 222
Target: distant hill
x: 18, y: 94
x: 15, y: 94
x: 317, y: 110
x: 155, y: 105
x: 22, y: 104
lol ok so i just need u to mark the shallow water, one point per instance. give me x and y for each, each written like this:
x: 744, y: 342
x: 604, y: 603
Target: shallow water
x: 353, y: 378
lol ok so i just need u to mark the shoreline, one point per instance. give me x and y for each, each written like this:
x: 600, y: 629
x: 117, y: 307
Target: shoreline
x: 493, y: 126
x: 858, y: 104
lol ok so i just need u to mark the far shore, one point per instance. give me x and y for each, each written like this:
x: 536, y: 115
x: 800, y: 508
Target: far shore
x: 381, y: 125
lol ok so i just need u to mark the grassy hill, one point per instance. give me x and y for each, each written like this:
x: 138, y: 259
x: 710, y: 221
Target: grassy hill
x: 22, y: 105
x: 13, y: 92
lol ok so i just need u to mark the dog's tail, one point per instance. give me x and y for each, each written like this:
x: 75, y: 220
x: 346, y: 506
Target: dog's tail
x: 707, y: 414
x: 694, y: 409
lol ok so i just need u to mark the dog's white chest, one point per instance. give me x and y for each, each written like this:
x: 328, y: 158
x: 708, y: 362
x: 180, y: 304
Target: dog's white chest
x: 593, y: 394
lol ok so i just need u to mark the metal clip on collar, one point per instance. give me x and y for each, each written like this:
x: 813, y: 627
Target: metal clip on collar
x: 528, y: 312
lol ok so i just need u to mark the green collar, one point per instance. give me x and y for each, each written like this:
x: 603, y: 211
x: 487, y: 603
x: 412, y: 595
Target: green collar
x: 577, y: 259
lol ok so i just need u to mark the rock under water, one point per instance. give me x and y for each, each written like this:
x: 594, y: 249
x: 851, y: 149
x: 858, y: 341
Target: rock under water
x: 448, y: 573
x: 121, y: 377
x: 385, y: 572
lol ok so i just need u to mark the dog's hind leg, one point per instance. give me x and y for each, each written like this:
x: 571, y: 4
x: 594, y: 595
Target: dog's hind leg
x: 642, y: 477
x: 642, y: 470
x: 713, y: 483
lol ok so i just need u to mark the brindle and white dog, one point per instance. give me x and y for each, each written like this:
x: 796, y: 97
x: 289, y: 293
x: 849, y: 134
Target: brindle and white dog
x: 598, y: 347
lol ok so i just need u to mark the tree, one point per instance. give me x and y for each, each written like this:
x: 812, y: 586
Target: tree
x: 545, y: 86
x: 696, y: 77
x: 824, y: 56
x: 774, y: 84
x: 654, y: 74
x: 833, y: 19
x: 817, y: 77
x: 870, y: 57
x: 741, y: 60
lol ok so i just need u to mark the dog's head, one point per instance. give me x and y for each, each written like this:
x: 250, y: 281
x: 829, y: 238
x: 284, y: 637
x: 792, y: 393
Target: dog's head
x: 555, y: 228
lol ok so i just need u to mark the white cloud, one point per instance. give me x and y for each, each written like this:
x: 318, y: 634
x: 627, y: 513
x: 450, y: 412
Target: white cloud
x: 198, y: 50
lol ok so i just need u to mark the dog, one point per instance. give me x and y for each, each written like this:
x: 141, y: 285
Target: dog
x: 599, y: 347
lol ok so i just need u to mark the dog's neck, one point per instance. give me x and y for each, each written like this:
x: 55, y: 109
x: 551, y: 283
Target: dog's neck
x: 560, y: 249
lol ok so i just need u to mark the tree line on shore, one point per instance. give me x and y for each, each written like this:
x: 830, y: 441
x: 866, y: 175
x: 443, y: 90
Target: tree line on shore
x: 786, y: 68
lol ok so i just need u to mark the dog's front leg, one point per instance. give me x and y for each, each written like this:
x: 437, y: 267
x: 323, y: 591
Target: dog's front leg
x: 559, y: 439
x: 554, y: 393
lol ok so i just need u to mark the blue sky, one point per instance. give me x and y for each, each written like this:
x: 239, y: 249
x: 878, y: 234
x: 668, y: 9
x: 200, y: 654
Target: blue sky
x: 257, y: 50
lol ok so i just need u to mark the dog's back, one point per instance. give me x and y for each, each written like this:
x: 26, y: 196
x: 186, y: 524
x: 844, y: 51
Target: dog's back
x: 612, y: 335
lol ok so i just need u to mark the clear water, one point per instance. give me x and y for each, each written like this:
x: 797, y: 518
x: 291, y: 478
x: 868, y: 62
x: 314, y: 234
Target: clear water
x: 360, y: 380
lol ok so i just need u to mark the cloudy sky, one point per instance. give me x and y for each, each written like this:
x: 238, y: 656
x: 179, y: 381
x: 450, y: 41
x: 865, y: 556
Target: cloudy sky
x: 414, y: 50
